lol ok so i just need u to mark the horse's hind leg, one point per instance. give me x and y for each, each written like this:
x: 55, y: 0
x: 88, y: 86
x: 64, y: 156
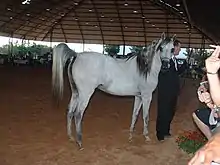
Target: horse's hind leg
x: 136, y: 110
x: 83, y: 101
x: 70, y: 113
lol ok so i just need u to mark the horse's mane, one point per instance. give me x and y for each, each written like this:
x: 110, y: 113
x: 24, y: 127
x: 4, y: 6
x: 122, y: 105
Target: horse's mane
x: 144, y: 59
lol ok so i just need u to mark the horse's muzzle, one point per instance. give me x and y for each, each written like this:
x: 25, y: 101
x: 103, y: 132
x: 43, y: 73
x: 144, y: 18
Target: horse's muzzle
x: 165, y: 65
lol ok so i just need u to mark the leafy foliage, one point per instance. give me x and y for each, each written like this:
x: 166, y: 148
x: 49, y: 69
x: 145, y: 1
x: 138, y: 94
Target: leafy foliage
x: 112, y: 49
x: 23, y: 49
x: 136, y: 49
x: 191, y: 141
x: 199, y: 55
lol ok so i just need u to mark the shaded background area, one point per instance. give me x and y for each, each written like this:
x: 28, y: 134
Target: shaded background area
x: 203, y: 14
x: 123, y: 22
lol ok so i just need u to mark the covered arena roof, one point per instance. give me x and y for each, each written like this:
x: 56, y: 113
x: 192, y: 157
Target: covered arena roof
x: 124, y: 22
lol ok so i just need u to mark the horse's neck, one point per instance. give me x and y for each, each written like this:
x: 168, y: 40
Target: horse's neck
x: 128, y: 62
x: 156, y: 63
x: 149, y: 84
x: 130, y: 66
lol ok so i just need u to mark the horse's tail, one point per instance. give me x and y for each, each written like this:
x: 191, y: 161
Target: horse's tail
x: 61, y: 54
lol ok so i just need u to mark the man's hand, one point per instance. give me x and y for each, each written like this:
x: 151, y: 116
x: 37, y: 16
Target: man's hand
x: 210, y: 152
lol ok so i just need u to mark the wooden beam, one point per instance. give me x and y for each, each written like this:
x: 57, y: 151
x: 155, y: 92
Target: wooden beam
x: 156, y: 2
x: 31, y: 17
x: 187, y: 13
x: 143, y: 22
x: 64, y: 35
x: 97, y: 17
x: 121, y: 24
x: 50, y: 31
x: 65, y: 14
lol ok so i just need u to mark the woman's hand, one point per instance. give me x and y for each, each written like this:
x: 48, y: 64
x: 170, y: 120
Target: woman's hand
x: 202, y: 88
x: 208, y: 153
x: 210, y: 105
x: 213, y: 62
x: 204, y: 97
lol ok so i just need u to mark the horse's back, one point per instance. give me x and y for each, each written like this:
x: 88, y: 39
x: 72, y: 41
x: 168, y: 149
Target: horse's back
x: 88, y: 66
x: 87, y: 53
x: 91, y: 69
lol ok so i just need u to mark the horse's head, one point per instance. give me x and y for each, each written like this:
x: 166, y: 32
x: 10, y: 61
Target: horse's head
x: 162, y: 47
x: 165, y: 47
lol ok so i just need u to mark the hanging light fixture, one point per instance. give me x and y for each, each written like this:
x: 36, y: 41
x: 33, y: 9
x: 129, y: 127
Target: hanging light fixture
x: 177, y: 3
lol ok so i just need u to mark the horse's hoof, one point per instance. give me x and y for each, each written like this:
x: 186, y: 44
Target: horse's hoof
x: 71, y: 139
x: 147, y: 139
x: 130, y: 139
x: 81, y: 148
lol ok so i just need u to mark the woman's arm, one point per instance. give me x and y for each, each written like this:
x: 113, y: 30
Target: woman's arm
x: 212, y: 67
x: 214, y: 85
x: 204, y: 78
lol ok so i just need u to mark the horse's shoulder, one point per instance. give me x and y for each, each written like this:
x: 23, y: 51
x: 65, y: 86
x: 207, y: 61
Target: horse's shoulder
x: 119, y: 60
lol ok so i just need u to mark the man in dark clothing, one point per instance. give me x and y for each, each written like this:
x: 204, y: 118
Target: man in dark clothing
x: 168, y: 91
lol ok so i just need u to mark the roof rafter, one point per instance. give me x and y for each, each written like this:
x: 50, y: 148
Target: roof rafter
x: 143, y: 22
x: 180, y: 16
x: 36, y: 15
x: 120, y: 21
x: 63, y: 32
x: 117, y: 22
x: 98, y: 19
x: 63, y: 16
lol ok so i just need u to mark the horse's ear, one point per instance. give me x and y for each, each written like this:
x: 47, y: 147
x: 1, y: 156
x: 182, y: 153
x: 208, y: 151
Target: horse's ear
x: 154, y: 42
x: 163, y: 36
x: 174, y: 37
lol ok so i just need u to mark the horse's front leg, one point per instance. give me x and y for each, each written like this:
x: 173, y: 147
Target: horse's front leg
x: 146, y: 105
x: 136, y: 109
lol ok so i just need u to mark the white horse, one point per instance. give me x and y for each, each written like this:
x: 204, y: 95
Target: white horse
x: 135, y: 76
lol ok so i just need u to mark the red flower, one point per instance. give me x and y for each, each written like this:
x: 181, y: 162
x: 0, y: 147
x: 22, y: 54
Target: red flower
x: 190, y: 141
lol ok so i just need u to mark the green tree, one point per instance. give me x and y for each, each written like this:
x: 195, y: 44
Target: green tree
x: 23, y: 49
x: 112, y: 49
x: 5, y: 49
x: 199, y: 55
x: 136, y: 49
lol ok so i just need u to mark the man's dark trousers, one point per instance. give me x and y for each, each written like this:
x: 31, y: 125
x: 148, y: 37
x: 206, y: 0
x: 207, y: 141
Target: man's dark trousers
x: 168, y: 91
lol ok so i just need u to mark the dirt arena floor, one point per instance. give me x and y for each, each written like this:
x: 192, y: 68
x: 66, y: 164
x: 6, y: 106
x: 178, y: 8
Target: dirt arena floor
x: 33, y: 131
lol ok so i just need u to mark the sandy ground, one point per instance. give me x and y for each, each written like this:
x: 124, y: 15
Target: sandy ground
x: 33, y: 131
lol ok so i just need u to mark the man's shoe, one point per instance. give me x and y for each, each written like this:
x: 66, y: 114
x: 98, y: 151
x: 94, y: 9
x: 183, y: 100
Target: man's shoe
x: 166, y: 136
x: 160, y: 138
